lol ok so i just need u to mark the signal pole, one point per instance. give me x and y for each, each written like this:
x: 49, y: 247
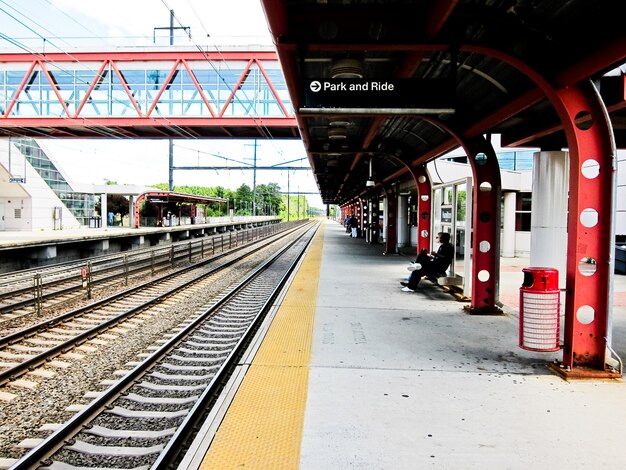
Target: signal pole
x: 254, y: 167
x: 171, y: 28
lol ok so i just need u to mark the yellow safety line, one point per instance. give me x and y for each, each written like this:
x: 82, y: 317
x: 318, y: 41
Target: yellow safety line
x: 263, y: 426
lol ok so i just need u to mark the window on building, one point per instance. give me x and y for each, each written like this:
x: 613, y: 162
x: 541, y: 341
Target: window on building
x: 522, y: 212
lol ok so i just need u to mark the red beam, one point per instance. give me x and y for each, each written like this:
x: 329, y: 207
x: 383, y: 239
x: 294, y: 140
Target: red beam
x: 20, y: 88
x: 166, y: 83
x: 241, y: 79
x: 439, y: 14
x: 16, y: 122
x: 139, y: 55
x: 276, y: 15
x: 509, y: 110
x: 360, y: 47
x: 607, y: 58
x: 91, y: 87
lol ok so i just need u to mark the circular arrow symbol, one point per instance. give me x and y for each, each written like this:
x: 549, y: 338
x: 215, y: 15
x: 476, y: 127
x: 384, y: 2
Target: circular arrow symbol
x: 315, y: 86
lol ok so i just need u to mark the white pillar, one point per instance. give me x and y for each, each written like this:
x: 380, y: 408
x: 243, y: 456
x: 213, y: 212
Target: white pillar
x: 508, y: 225
x: 548, y: 228
x: 383, y: 233
x: 402, y: 221
x: 103, y: 210
x: 131, y: 210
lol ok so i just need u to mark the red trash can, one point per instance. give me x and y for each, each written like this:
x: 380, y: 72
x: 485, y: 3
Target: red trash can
x: 539, y: 316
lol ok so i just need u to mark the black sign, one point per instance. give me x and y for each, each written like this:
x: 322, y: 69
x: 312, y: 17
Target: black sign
x: 371, y: 94
x: 446, y: 214
x: 17, y: 179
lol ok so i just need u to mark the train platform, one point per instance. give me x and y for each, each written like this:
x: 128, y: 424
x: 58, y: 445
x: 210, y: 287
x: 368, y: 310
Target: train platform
x: 11, y: 239
x: 33, y: 249
x: 352, y: 373
x: 20, y: 239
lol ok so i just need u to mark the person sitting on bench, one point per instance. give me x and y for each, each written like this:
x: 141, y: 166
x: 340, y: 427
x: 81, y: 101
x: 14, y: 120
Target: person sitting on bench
x: 435, y: 263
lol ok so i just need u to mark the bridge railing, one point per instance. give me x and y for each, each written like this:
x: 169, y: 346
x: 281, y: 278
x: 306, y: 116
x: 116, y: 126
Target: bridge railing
x: 143, y: 85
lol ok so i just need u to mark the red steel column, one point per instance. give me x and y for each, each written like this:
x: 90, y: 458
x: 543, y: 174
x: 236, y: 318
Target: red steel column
x: 485, y: 219
x: 373, y: 217
x: 592, y: 169
x: 424, y: 207
x: 402, y: 153
x: 486, y: 225
x: 391, y: 228
x: 361, y: 208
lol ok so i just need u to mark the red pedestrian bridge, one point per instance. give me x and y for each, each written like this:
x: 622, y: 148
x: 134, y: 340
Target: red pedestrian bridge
x: 145, y: 93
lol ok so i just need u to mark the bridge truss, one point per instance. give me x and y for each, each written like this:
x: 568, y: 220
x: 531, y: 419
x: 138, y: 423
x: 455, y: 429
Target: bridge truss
x: 143, y: 93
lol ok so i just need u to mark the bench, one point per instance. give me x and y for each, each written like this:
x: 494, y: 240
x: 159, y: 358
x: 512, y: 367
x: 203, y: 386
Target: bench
x: 450, y: 284
x: 444, y: 280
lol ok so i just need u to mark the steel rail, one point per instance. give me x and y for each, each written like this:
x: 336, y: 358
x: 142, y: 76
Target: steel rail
x: 188, y: 426
x: 80, y: 420
x: 28, y: 365
x: 52, y: 322
x: 108, y: 265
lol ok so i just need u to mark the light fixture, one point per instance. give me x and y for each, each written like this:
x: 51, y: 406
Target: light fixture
x: 346, y: 68
x: 337, y: 133
x: 370, y: 183
x: 339, y: 123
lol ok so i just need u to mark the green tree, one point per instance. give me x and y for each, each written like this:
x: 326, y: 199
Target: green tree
x: 298, y: 208
x: 116, y: 203
x: 461, y: 198
x: 269, y: 199
x: 243, y: 197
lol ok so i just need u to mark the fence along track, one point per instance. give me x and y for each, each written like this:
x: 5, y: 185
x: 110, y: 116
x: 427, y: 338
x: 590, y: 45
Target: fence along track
x: 17, y: 292
x: 34, y: 346
x: 147, y: 416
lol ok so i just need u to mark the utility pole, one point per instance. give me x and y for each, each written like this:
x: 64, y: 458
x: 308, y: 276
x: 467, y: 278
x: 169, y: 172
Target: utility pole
x: 254, y: 167
x: 254, y: 181
x: 171, y: 159
x: 288, y: 196
x: 171, y: 28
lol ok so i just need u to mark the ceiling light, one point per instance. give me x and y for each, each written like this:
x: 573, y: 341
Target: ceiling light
x: 337, y: 133
x: 346, y: 68
x: 339, y: 123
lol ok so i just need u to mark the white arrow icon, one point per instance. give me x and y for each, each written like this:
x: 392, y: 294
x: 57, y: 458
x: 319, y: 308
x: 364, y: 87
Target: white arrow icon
x: 315, y: 86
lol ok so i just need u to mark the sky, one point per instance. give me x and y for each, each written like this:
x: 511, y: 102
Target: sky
x: 67, y: 25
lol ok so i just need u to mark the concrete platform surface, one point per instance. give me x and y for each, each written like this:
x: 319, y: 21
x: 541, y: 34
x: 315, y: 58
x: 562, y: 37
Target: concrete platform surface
x: 409, y: 381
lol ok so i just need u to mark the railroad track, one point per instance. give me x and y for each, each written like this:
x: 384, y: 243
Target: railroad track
x: 33, y: 290
x: 32, y: 347
x: 146, y: 418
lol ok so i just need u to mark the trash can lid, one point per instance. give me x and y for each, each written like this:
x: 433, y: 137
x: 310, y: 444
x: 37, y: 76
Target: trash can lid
x: 539, y: 269
x: 541, y: 278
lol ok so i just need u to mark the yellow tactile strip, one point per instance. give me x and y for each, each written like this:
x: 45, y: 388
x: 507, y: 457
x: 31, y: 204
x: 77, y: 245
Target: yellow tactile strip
x: 263, y: 426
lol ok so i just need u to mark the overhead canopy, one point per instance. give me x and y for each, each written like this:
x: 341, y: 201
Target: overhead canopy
x: 476, y: 66
x: 156, y: 197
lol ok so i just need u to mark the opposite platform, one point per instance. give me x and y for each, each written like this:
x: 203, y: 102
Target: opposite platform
x: 408, y: 380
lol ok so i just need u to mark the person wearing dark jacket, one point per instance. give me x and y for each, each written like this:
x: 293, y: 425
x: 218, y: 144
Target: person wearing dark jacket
x: 436, y: 262
x: 354, y: 225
